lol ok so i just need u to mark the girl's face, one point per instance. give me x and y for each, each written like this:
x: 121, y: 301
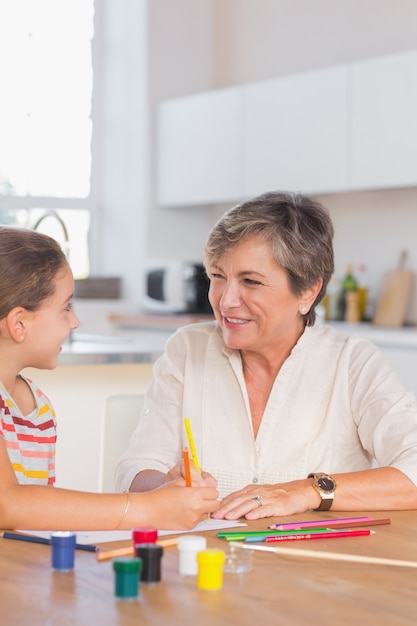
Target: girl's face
x: 252, y: 301
x: 50, y: 326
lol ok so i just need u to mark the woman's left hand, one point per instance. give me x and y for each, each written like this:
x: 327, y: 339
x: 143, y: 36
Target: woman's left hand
x: 258, y: 501
x: 376, y: 489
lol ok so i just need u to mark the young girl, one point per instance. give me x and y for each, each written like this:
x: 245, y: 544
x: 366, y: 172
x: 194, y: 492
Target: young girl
x: 36, y: 317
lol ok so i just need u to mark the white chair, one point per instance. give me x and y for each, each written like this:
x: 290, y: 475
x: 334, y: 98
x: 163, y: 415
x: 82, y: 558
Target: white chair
x: 121, y: 416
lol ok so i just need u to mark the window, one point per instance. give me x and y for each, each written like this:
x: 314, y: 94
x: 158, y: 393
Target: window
x: 45, y: 120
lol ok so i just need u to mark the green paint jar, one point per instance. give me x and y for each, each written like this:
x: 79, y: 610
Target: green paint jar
x: 127, y: 575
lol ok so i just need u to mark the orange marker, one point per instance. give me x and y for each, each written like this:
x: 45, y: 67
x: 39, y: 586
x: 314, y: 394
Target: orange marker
x: 186, y: 467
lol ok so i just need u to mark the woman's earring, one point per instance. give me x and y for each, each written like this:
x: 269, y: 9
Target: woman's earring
x: 303, y: 309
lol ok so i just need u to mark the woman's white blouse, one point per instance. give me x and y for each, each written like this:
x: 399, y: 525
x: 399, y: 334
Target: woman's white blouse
x: 336, y: 406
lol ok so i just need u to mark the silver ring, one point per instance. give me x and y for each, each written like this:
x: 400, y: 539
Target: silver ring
x: 258, y: 500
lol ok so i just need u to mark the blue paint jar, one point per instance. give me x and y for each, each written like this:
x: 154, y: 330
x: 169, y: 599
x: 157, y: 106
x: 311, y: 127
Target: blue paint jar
x: 63, y: 550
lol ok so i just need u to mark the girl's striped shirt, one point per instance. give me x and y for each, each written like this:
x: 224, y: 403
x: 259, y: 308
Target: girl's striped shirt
x: 30, y: 440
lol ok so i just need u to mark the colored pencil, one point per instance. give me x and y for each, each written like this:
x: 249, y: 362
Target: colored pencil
x: 187, y: 470
x: 106, y: 555
x: 259, y: 535
x: 344, y: 522
x: 33, y: 539
x: 286, y: 533
x: 191, y: 444
x: 333, y: 556
x: 370, y: 522
x: 335, y: 534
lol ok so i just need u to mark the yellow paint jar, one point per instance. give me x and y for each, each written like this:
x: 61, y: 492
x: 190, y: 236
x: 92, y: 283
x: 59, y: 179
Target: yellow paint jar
x: 210, y: 569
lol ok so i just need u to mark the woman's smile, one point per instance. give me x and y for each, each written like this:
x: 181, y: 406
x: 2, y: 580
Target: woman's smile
x: 235, y: 321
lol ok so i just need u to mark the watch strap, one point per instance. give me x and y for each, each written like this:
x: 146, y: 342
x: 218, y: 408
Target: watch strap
x: 325, y: 504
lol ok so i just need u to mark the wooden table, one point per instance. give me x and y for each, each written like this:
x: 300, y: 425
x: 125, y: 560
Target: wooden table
x: 287, y: 590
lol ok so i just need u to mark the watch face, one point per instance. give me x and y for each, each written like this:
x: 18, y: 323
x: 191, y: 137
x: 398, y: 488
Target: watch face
x: 325, y: 483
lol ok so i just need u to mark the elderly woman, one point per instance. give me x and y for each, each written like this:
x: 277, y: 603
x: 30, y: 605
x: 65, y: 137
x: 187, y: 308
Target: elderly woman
x: 287, y: 416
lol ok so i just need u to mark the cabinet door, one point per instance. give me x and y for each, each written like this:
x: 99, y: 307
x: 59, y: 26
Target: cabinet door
x: 384, y: 122
x: 199, y: 156
x: 295, y: 133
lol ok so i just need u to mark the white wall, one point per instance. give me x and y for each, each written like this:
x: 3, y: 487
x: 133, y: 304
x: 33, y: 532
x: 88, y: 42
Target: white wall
x: 181, y: 60
x: 147, y: 50
x: 260, y: 39
x: 157, y: 49
x: 121, y: 138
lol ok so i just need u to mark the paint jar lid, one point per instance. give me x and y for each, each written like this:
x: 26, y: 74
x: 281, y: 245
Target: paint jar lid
x: 144, y: 535
x: 127, y: 565
x: 192, y: 543
x: 152, y: 549
x: 211, y: 556
x: 63, y: 538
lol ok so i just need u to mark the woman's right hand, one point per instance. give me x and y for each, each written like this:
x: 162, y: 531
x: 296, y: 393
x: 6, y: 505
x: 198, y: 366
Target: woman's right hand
x: 205, y: 479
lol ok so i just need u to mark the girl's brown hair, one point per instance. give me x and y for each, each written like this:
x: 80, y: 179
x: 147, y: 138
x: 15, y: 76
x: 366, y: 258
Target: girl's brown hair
x: 29, y: 263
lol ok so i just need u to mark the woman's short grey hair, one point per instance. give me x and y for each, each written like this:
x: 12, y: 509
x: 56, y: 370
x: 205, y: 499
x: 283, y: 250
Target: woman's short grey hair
x: 299, y: 230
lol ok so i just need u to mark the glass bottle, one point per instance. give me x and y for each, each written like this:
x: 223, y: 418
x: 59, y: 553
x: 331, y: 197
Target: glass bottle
x: 349, y: 283
x: 364, y: 295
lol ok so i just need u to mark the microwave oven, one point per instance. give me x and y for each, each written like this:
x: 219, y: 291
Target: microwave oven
x: 176, y: 287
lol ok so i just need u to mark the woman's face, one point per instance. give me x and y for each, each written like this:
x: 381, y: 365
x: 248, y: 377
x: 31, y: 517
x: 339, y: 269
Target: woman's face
x: 251, y: 299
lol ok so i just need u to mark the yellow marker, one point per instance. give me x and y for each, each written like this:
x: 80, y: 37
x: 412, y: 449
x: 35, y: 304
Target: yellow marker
x: 191, y: 444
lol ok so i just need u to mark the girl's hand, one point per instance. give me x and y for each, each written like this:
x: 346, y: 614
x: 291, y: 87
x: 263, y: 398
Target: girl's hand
x: 172, y: 507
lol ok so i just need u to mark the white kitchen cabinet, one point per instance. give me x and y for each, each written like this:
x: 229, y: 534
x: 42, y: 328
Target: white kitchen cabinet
x: 343, y: 128
x: 295, y: 133
x: 199, y: 148
x: 384, y: 122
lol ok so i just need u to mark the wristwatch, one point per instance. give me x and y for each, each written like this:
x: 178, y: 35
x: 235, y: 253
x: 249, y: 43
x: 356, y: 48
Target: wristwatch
x: 325, y: 485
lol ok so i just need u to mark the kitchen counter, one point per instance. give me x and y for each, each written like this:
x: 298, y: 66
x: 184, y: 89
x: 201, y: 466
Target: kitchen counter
x: 125, y: 339
x: 402, y: 337
x: 141, y: 338
x: 146, y: 320
x: 135, y: 347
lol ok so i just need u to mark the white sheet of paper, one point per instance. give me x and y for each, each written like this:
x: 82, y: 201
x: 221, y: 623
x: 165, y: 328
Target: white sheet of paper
x: 103, y: 536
